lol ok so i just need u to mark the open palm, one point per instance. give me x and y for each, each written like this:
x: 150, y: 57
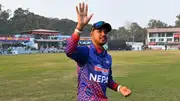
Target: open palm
x: 82, y: 15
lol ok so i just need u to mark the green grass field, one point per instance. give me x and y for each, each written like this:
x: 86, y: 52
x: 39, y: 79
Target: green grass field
x: 151, y: 75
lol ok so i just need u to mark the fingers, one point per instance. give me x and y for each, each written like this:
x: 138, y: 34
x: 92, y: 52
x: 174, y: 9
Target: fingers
x: 89, y: 18
x: 128, y: 92
x: 82, y: 12
x: 125, y: 91
x: 81, y: 7
x: 86, y: 10
x: 77, y: 10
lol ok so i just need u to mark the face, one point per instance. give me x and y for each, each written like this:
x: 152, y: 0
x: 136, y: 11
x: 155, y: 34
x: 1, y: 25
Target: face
x: 99, y: 36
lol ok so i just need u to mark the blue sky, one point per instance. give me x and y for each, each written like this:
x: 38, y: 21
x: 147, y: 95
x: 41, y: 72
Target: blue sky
x: 116, y: 12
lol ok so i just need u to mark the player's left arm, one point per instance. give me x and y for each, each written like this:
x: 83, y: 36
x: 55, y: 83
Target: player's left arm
x: 111, y: 83
x: 116, y: 87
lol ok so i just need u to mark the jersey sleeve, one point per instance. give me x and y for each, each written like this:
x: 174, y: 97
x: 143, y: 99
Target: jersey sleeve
x: 77, y: 53
x: 111, y: 83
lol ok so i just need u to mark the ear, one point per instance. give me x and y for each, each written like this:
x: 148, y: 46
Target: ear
x: 91, y: 33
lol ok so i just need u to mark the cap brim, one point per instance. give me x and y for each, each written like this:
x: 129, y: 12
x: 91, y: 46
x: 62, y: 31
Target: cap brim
x: 106, y: 26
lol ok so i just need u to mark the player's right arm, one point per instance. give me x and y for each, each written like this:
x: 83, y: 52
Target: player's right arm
x: 75, y: 52
x: 79, y: 54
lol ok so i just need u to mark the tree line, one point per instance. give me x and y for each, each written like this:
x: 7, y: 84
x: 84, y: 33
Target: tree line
x: 23, y: 20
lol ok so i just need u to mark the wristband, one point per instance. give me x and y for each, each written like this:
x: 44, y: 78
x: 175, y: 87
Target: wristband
x: 78, y: 31
x: 118, y: 88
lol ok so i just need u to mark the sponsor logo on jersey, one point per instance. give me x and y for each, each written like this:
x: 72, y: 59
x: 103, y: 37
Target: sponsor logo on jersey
x: 99, y: 68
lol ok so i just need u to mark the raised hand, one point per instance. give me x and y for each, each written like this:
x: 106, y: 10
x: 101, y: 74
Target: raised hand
x: 82, y: 15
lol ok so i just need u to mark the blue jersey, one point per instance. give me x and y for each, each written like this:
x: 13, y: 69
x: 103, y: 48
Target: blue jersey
x: 94, y: 71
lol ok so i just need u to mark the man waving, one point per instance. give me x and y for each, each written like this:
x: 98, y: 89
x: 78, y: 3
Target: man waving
x: 93, y: 61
